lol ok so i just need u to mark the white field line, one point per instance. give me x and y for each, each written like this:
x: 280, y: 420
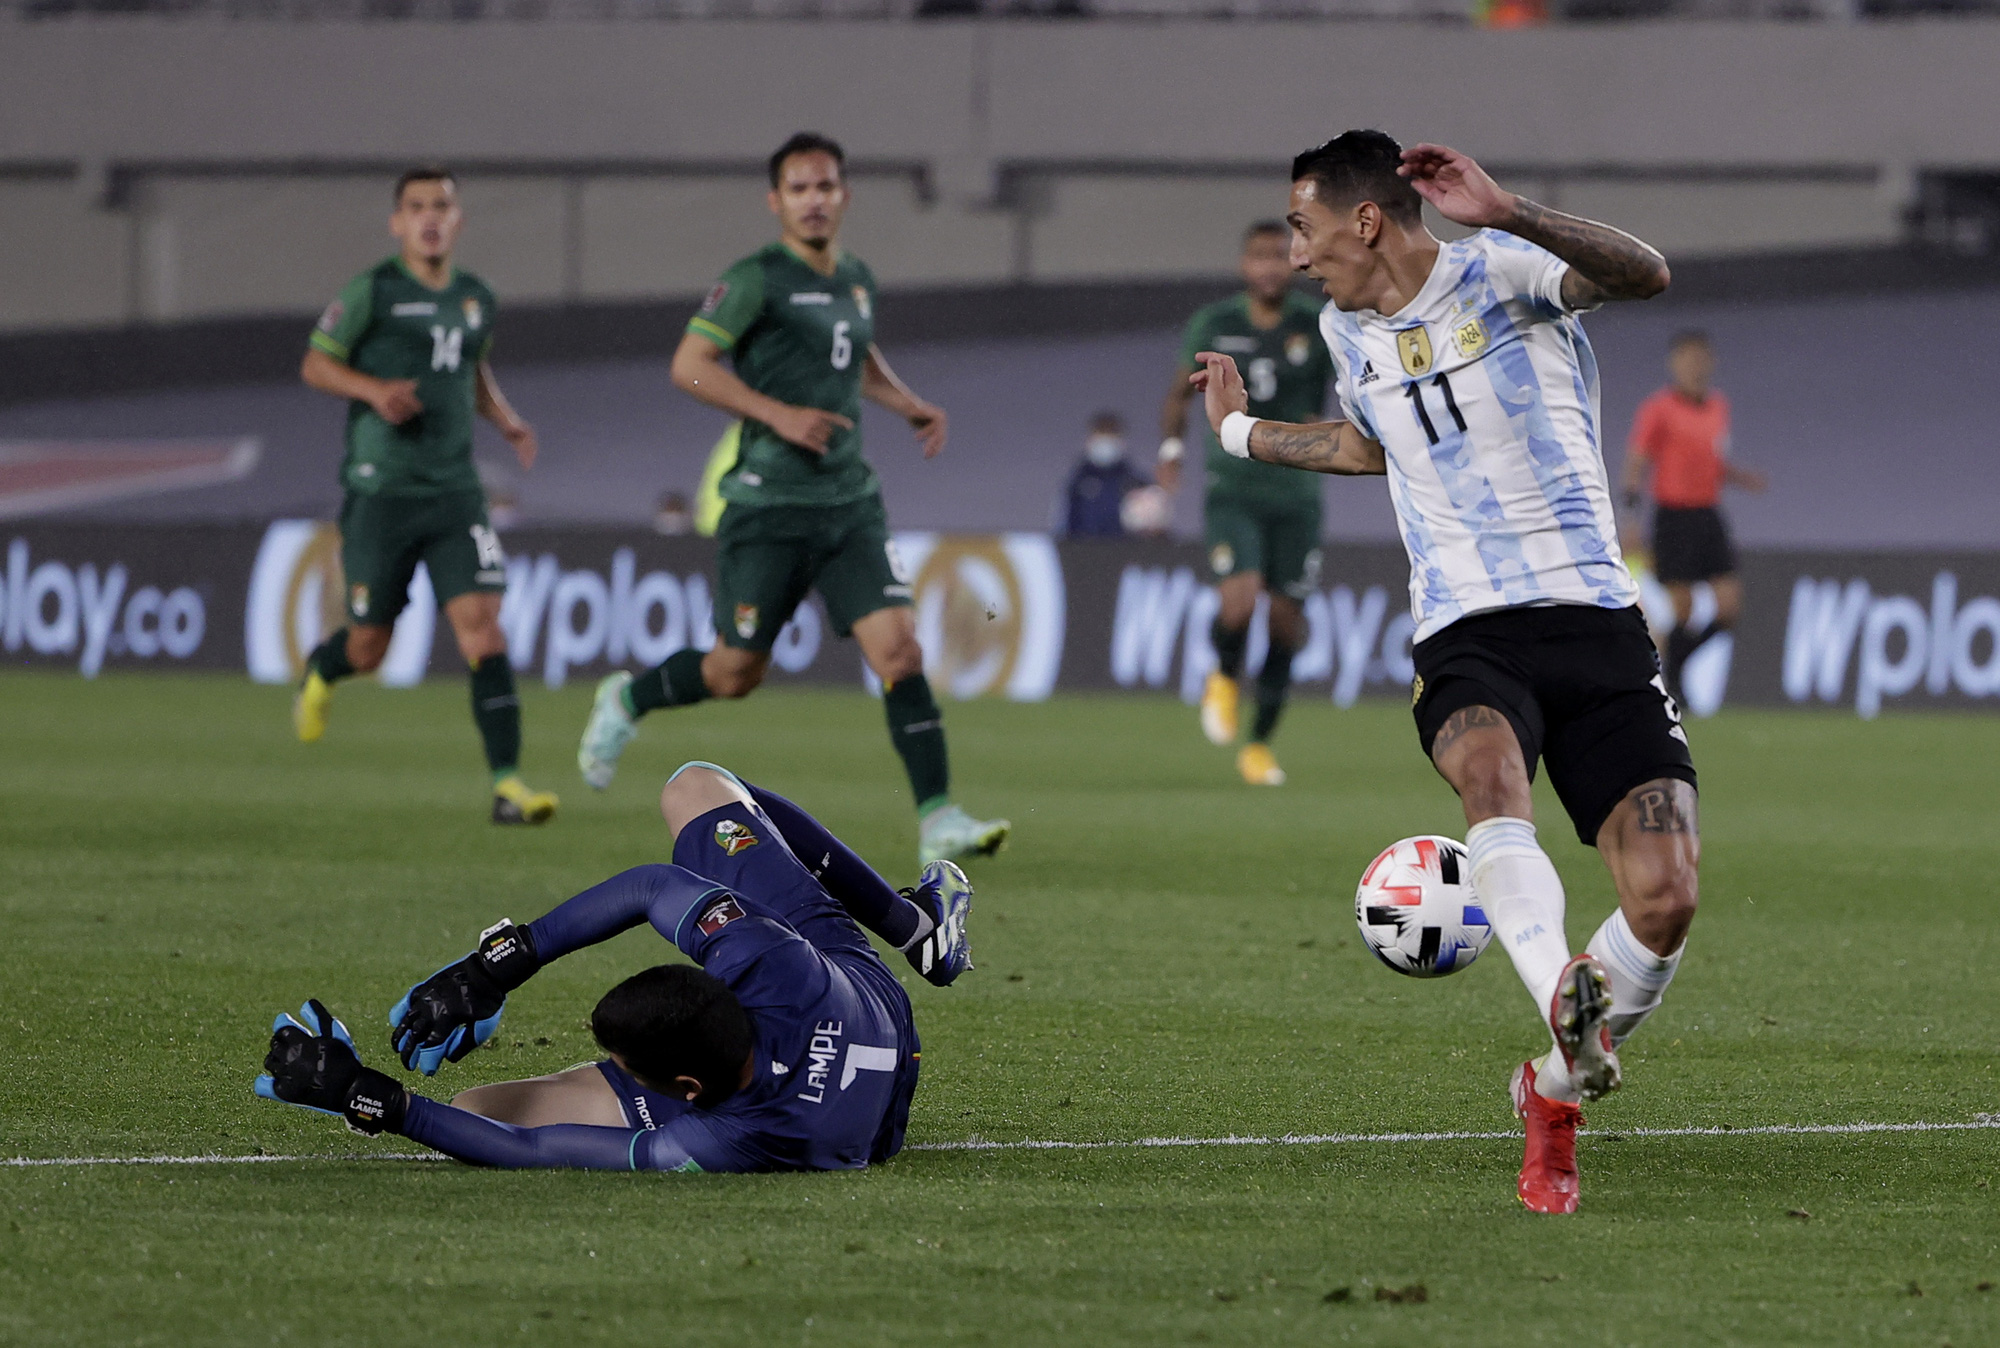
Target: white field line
x: 1983, y: 1123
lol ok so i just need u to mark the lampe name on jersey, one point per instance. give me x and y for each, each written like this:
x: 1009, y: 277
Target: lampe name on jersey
x: 1483, y: 393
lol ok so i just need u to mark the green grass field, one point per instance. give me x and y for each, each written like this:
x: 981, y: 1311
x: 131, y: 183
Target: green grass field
x: 1162, y: 953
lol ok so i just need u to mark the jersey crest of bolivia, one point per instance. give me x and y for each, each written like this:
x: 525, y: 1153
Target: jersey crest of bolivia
x: 802, y: 337
x: 1483, y: 393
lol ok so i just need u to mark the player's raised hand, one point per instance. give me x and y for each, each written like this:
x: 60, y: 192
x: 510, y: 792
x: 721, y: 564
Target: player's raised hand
x: 458, y: 1008
x: 1220, y: 384
x: 396, y: 401
x: 809, y: 428
x: 312, y: 1064
x: 928, y: 421
x: 1461, y: 190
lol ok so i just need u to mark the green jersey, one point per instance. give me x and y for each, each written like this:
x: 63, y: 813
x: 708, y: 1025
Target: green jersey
x: 803, y: 339
x: 388, y: 324
x: 1285, y: 371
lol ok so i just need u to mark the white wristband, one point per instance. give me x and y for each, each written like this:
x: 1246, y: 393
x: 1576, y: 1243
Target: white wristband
x: 1171, y: 449
x: 1235, y: 434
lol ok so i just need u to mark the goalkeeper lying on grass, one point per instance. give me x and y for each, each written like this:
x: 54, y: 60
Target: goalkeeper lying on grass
x: 791, y: 1048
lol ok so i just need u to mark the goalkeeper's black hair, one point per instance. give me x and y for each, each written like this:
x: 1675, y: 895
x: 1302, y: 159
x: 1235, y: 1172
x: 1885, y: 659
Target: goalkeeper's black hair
x: 1358, y: 166
x: 807, y: 142
x: 674, y: 1020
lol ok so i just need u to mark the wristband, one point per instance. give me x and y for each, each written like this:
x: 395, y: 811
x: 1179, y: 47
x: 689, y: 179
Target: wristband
x: 1171, y: 449
x: 1235, y: 434
x: 506, y: 954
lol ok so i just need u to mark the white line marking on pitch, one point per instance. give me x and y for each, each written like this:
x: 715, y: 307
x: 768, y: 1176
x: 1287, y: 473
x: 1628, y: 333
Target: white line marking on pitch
x: 1985, y: 1122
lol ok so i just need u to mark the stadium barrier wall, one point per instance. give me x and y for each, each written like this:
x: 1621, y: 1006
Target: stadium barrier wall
x: 1010, y: 615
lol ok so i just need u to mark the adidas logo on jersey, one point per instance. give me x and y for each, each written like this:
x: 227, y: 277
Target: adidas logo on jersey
x: 1368, y: 374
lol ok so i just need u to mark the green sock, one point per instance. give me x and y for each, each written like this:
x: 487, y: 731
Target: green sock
x: 330, y: 657
x: 496, y: 710
x: 675, y: 682
x: 1229, y: 644
x: 1273, y: 682
x: 916, y: 728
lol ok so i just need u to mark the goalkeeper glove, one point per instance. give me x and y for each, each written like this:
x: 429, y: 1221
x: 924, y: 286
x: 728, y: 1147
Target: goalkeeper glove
x: 457, y: 1008
x: 312, y: 1064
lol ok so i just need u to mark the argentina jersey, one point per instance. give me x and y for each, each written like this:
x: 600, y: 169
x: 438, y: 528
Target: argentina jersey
x: 1483, y: 394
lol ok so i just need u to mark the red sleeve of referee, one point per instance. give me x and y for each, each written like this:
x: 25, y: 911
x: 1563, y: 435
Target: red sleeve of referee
x: 1646, y: 428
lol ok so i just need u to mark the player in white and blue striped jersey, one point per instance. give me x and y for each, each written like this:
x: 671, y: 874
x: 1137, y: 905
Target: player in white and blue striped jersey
x: 1464, y: 374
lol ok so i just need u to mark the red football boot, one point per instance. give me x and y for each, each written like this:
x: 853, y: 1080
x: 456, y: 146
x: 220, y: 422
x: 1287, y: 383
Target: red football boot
x: 1579, y: 1016
x: 1548, y: 1169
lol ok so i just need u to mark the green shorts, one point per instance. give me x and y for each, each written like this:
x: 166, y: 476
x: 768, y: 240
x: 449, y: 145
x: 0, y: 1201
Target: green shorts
x: 1280, y: 542
x: 769, y: 556
x: 382, y: 538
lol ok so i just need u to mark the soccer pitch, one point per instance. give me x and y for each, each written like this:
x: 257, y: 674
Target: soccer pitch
x: 1163, y: 953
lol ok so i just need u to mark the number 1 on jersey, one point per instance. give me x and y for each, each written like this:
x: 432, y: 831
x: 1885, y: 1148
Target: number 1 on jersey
x: 1414, y: 391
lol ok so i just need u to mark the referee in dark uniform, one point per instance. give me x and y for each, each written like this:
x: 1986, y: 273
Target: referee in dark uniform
x: 1680, y: 449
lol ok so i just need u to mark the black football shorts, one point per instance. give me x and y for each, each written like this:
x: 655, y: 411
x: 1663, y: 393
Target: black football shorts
x: 1582, y: 688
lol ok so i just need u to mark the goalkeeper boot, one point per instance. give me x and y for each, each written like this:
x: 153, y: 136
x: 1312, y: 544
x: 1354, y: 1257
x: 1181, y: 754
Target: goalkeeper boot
x: 514, y: 802
x: 608, y: 731
x: 948, y: 833
x: 942, y: 953
x: 1580, y: 1014
x: 1218, y: 709
x: 1548, y: 1180
x: 309, y: 706
x: 1259, y: 765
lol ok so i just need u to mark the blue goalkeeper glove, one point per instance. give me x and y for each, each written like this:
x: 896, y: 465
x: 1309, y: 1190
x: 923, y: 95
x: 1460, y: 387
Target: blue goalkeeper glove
x: 312, y: 1064
x: 458, y: 1008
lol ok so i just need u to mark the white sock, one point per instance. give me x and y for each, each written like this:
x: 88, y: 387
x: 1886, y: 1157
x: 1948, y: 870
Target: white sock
x: 1518, y: 887
x: 1639, y: 978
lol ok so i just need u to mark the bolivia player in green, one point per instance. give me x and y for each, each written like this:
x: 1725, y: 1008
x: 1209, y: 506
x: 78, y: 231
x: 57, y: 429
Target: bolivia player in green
x: 1262, y: 520
x: 804, y: 509
x: 406, y: 344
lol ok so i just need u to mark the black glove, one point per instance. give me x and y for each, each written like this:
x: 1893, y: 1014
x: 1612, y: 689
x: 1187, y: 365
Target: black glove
x: 457, y: 1008
x: 312, y: 1064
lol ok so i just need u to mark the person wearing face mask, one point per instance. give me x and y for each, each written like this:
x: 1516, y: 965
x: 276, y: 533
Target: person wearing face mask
x: 1099, y: 485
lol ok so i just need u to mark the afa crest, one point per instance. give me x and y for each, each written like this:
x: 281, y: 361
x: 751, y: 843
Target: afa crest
x: 1470, y: 337
x: 1414, y: 346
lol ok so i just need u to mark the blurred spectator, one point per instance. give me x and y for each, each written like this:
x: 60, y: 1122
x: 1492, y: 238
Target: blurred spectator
x: 1097, y: 489
x: 1680, y: 453
x: 672, y: 517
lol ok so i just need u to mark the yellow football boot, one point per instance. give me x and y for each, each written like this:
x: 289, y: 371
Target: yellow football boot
x: 1218, y: 709
x: 309, y: 706
x: 1259, y: 766
x: 515, y: 803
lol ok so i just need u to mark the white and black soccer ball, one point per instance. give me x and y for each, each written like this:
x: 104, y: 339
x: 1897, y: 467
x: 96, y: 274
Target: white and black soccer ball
x: 1417, y: 911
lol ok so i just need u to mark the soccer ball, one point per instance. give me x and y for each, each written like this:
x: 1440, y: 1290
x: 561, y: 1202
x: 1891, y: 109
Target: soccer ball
x: 1417, y: 911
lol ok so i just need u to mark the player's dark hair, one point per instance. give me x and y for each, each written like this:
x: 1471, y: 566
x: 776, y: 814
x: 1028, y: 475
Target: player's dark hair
x: 1107, y: 423
x: 1258, y: 229
x: 674, y: 1020
x: 423, y: 173
x: 807, y: 142
x: 1689, y: 337
x: 1358, y: 166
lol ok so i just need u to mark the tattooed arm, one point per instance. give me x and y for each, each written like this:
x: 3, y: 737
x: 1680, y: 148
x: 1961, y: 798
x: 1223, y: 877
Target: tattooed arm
x: 1317, y: 447
x: 1605, y: 263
